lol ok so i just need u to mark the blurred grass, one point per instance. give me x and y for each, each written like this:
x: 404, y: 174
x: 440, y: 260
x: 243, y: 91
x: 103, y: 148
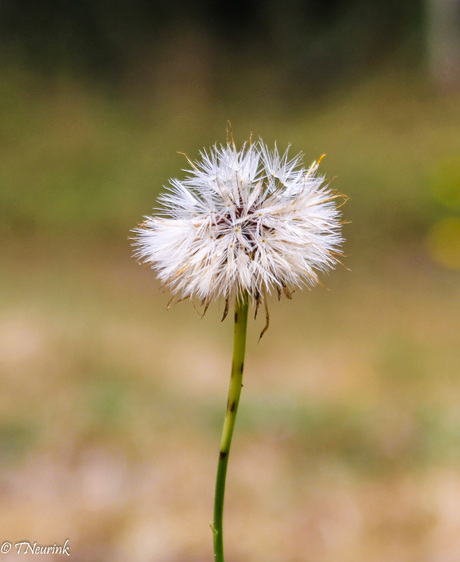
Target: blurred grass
x: 82, y: 162
x: 111, y: 405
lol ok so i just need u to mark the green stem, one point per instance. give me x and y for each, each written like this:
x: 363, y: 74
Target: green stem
x: 239, y: 346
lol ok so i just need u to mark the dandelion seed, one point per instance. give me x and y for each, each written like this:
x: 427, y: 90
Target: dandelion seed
x: 248, y: 222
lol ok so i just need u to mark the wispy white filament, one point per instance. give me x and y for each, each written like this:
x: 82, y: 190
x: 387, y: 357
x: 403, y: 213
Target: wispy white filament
x: 243, y: 221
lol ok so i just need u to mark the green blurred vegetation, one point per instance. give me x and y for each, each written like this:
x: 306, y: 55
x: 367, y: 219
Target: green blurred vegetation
x: 79, y: 162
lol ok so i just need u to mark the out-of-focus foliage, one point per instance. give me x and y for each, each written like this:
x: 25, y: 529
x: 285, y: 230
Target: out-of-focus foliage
x: 314, y: 42
x: 79, y: 161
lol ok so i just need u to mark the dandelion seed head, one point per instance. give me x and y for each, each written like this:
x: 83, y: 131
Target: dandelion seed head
x: 250, y: 221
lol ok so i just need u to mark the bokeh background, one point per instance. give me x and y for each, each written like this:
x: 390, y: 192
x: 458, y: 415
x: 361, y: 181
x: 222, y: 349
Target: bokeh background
x: 347, y: 446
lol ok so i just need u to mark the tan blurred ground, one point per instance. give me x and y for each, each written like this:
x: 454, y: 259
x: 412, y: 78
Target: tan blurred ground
x: 346, y: 447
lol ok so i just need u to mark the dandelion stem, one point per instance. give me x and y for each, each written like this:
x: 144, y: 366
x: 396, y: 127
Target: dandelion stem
x: 239, y: 346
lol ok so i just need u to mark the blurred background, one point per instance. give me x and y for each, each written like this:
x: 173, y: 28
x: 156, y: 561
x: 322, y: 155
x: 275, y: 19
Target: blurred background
x: 347, y: 446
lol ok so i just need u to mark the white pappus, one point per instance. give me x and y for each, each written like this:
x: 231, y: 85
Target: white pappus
x: 243, y: 222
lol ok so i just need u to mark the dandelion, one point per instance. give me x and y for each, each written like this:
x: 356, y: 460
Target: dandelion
x: 242, y: 225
